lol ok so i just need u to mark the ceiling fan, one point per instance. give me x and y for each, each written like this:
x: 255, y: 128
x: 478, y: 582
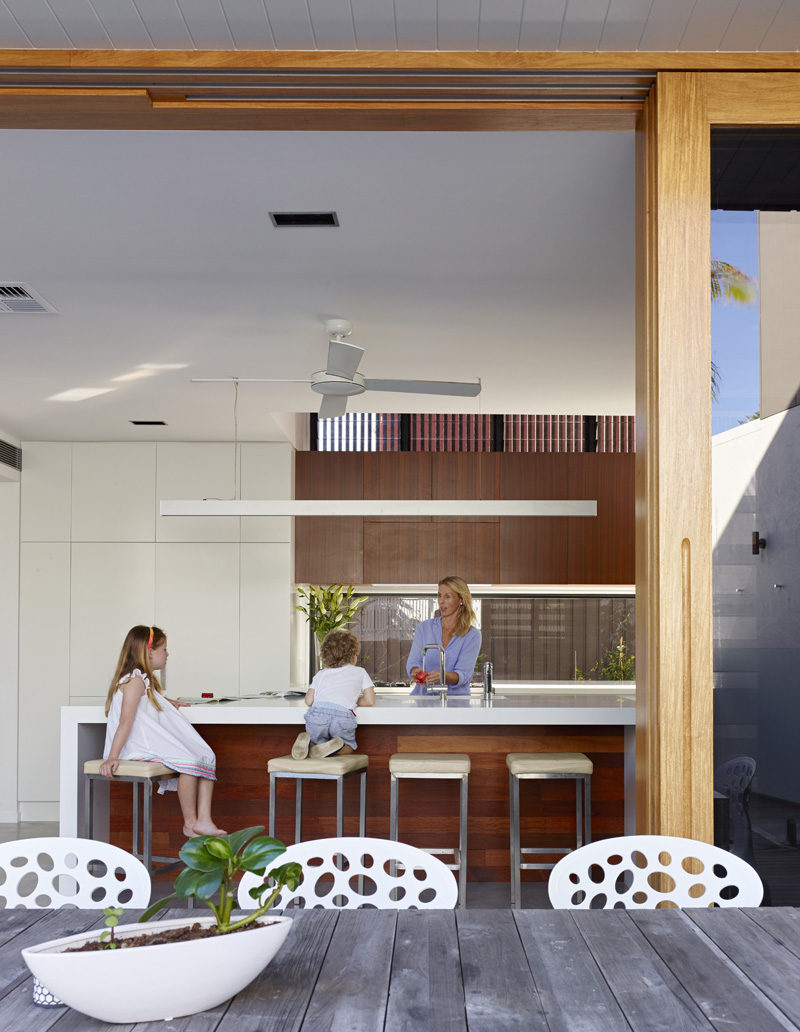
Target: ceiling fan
x: 339, y: 379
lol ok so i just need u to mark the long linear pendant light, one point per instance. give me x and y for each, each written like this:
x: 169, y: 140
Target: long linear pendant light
x: 383, y: 507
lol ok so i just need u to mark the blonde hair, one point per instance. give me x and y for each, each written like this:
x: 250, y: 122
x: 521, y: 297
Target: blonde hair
x: 339, y: 648
x: 466, y: 613
x: 135, y: 655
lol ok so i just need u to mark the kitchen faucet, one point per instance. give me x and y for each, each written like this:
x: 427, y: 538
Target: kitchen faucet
x: 488, y: 685
x: 442, y: 686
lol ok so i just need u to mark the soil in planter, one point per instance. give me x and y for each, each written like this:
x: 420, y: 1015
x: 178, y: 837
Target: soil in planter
x: 184, y: 934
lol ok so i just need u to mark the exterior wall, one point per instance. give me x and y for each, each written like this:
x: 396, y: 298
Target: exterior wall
x: 96, y: 558
x: 756, y: 600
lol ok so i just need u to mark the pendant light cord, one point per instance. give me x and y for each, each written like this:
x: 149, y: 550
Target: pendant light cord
x: 236, y: 486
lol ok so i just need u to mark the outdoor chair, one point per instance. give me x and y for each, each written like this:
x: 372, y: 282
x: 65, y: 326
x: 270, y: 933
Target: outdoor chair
x: 652, y: 871
x: 733, y: 779
x: 40, y: 873
x: 347, y: 873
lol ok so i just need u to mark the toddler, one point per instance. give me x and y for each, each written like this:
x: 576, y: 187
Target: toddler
x: 332, y: 697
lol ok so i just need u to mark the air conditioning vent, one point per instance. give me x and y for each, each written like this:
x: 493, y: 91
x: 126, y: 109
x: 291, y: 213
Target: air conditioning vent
x: 10, y: 455
x: 303, y: 218
x: 16, y: 298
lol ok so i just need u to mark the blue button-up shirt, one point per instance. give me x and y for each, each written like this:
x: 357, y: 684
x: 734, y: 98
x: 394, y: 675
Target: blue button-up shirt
x: 460, y: 655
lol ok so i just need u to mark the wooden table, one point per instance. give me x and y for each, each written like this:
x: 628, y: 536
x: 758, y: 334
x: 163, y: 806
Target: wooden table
x: 555, y: 971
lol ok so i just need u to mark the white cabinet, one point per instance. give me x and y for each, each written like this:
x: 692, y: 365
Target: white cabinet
x: 195, y: 471
x: 113, y: 588
x: 264, y: 617
x: 197, y: 604
x: 113, y: 492
x: 46, y: 491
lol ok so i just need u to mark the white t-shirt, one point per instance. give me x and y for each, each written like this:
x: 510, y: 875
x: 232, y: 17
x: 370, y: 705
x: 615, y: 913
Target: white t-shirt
x: 340, y: 685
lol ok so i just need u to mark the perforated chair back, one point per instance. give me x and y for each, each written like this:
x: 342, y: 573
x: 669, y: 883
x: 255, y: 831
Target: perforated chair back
x: 652, y: 871
x: 347, y: 873
x: 70, y: 872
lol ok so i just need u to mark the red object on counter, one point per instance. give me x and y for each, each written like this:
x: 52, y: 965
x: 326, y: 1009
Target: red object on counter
x: 206, y: 695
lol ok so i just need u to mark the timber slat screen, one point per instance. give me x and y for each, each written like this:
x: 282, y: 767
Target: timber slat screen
x: 482, y: 970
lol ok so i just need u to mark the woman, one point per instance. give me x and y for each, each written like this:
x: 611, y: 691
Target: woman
x: 454, y: 629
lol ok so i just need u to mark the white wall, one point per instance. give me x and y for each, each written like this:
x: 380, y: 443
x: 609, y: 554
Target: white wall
x: 96, y: 557
x: 757, y: 599
x: 9, y: 610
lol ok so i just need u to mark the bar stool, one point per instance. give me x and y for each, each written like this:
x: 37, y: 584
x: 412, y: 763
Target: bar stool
x: 435, y: 765
x: 137, y: 772
x: 328, y: 768
x: 542, y: 766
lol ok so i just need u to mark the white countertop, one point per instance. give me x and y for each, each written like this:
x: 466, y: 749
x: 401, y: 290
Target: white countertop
x: 561, y: 705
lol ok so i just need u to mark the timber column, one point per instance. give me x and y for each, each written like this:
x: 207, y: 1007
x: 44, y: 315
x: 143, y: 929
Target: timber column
x: 674, y: 727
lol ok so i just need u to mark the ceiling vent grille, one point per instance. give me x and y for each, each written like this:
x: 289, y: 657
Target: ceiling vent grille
x: 16, y: 298
x: 10, y: 455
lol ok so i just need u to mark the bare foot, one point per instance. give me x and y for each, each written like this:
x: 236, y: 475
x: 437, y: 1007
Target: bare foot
x: 207, y: 828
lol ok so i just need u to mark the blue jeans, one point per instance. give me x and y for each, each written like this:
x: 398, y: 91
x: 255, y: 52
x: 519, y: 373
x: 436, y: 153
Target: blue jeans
x: 326, y: 720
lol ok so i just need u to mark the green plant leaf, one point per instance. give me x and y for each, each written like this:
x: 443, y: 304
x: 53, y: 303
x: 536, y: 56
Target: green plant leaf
x: 157, y: 907
x: 195, y: 855
x: 259, y: 853
x: 220, y: 848
x: 238, y: 838
x: 288, y: 875
x: 200, y: 884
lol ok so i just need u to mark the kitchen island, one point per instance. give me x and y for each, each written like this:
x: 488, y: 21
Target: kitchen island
x: 565, y: 717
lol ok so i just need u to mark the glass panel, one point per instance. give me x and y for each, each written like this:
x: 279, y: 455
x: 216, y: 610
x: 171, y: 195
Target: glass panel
x: 527, y: 638
x: 756, y: 505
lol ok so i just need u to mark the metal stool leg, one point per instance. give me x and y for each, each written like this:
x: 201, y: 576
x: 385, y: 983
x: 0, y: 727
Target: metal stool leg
x: 587, y: 797
x: 88, y: 817
x: 298, y: 811
x: 579, y: 812
x: 393, y: 815
x: 362, y: 813
x: 272, y: 805
x: 462, y: 844
x: 516, y: 887
x: 340, y: 807
x: 135, y: 835
x: 147, y: 821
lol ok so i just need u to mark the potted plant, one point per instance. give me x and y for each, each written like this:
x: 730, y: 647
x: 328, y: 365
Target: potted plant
x: 328, y: 609
x: 172, y: 968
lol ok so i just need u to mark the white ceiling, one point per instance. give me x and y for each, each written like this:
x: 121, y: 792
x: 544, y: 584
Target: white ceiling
x: 605, y: 25
x: 504, y: 256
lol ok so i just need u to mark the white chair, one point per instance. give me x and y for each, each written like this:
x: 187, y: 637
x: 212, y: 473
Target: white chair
x: 652, y: 871
x: 346, y: 873
x: 42, y: 873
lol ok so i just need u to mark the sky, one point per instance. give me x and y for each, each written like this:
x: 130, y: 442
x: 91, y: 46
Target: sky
x: 735, y: 328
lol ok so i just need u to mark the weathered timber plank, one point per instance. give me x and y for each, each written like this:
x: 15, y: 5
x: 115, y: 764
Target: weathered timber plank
x: 716, y: 985
x: 756, y: 953
x: 12, y: 922
x: 425, y: 989
x: 782, y: 923
x: 574, y: 994
x: 649, y: 995
x: 353, y: 985
x: 277, y: 1000
x: 498, y: 988
x: 55, y: 925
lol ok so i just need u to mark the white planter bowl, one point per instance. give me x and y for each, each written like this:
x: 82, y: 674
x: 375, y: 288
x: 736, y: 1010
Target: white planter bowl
x: 152, y: 983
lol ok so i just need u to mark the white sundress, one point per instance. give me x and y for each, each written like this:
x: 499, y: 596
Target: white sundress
x: 161, y: 736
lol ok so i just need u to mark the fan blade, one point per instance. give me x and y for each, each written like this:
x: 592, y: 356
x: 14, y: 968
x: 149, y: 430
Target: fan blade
x: 455, y: 389
x: 343, y: 358
x: 333, y: 405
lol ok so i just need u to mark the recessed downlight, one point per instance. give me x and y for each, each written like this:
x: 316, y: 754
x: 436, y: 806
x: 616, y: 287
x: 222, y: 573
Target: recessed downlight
x: 147, y: 422
x: 288, y: 219
x: 80, y: 393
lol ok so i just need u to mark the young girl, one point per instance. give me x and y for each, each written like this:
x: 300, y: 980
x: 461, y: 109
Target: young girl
x: 141, y: 727
x: 335, y: 691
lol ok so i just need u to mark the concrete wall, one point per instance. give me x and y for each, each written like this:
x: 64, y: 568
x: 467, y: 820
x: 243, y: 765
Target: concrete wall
x: 95, y: 558
x: 757, y: 600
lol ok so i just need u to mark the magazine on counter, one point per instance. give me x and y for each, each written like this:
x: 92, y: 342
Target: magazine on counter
x: 289, y: 693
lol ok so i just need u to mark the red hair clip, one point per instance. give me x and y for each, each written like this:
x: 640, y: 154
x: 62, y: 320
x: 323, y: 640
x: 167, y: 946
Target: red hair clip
x: 150, y: 639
